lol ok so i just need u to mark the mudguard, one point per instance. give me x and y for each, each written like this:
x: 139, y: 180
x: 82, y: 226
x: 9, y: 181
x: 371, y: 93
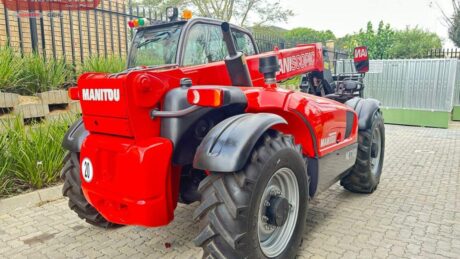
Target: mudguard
x: 227, y: 147
x: 366, y: 108
x: 75, y: 136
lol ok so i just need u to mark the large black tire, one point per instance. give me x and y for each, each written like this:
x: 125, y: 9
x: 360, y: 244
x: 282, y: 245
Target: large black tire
x: 230, y: 202
x: 365, y: 176
x: 72, y: 189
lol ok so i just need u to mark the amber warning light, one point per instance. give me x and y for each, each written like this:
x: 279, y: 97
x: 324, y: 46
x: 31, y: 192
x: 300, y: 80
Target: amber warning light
x: 205, y: 97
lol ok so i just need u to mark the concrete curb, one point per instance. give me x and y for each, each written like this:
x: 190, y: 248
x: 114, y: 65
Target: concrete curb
x: 31, y: 199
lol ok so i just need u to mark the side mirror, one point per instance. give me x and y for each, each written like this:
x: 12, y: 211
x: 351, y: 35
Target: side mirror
x: 361, y: 59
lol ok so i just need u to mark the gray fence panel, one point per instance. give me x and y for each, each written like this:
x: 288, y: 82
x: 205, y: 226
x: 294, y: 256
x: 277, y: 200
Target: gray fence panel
x: 457, y: 87
x: 420, y: 84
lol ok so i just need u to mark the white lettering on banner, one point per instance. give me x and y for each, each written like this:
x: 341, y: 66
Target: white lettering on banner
x: 297, y: 62
x: 361, y: 53
x: 101, y: 95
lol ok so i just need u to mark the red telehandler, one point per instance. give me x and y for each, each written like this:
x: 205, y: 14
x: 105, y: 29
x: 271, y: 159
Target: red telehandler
x: 198, y: 117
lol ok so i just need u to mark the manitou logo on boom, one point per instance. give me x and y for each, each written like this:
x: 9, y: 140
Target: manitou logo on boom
x: 101, y: 95
x: 298, y: 62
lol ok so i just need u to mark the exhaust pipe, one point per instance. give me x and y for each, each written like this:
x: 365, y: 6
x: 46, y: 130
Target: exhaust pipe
x: 235, y: 61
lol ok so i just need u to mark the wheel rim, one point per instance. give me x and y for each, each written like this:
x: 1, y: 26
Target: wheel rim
x: 376, y: 149
x: 273, y: 239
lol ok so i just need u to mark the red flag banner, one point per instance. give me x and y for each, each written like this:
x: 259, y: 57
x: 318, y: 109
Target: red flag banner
x: 50, y: 5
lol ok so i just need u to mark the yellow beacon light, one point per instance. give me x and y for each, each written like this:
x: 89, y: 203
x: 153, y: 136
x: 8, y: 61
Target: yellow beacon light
x: 187, y: 14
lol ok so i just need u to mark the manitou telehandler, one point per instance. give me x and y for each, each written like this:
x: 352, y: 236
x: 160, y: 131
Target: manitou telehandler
x: 198, y: 117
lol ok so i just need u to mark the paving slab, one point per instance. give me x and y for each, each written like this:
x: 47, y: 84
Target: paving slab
x: 31, y: 110
x: 54, y: 97
x: 75, y: 107
x: 415, y: 213
x: 8, y: 100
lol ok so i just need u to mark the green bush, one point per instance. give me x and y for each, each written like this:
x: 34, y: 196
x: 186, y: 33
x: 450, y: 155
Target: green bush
x: 42, y: 75
x: 292, y: 83
x: 33, y: 155
x: 111, y: 64
x: 10, y: 68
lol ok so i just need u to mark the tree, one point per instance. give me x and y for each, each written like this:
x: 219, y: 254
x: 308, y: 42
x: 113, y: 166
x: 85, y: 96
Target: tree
x: 389, y: 43
x: 453, y: 22
x: 308, y: 35
x: 378, y: 42
x: 414, y: 43
x: 161, y: 5
x: 242, y: 12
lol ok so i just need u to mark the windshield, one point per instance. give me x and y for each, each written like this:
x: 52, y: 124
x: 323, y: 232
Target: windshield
x: 155, y: 47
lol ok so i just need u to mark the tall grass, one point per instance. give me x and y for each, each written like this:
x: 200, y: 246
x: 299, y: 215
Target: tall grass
x: 10, y: 68
x: 33, y: 74
x: 32, y: 155
x: 5, y: 179
x: 42, y: 75
x: 111, y: 64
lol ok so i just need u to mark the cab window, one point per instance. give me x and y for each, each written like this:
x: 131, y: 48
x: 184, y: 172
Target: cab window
x: 204, y: 45
x: 244, y: 43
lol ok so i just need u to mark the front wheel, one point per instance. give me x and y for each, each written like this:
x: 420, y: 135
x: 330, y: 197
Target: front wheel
x: 365, y: 175
x: 259, y: 212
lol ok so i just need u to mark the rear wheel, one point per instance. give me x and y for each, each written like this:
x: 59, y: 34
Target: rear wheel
x: 72, y: 189
x: 259, y: 212
x: 365, y: 175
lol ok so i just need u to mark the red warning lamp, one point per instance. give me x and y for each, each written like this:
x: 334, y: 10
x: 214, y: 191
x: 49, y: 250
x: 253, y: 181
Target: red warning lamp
x: 74, y: 93
x: 136, y: 23
x: 206, y: 97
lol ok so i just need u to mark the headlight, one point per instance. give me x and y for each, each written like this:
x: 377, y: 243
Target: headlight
x: 172, y: 13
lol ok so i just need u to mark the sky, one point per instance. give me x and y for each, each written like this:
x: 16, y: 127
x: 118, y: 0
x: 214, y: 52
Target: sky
x: 348, y: 16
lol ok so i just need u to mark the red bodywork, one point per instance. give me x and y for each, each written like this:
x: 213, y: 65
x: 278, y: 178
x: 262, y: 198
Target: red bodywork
x: 134, y: 181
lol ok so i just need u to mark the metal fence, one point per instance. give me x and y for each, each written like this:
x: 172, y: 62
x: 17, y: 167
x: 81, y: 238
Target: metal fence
x: 444, y: 53
x: 74, y: 35
x: 420, y: 84
x: 457, y: 88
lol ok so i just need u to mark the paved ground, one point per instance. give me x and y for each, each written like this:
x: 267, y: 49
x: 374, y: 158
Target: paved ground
x: 415, y: 213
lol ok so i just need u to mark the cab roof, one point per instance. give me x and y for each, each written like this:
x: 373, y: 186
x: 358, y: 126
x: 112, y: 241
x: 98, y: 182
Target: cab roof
x: 156, y: 24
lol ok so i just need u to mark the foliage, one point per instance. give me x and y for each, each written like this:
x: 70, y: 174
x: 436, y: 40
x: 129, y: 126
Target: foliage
x: 163, y: 4
x: 387, y: 42
x: 31, y: 156
x: 414, y: 43
x: 268, y: 30
x: 292, y: 83
x: 33, y: 74
x: 379, y: 42
x: 111, y: 64
x: 243, y: 12
x: 10, y: 68
x: 5, y: 181
x: 42, y: 75
x: 453, y: 22
x: 309, y: 35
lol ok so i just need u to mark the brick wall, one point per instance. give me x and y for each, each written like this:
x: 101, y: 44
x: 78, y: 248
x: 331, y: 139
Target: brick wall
x: 85, y: 32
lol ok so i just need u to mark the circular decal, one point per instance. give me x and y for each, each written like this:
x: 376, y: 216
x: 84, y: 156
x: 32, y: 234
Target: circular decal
x: 87, y: 170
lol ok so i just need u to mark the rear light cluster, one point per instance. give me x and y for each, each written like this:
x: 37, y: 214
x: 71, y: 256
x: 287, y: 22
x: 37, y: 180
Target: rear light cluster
x: 74, y: 94
x: 205, y: 97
